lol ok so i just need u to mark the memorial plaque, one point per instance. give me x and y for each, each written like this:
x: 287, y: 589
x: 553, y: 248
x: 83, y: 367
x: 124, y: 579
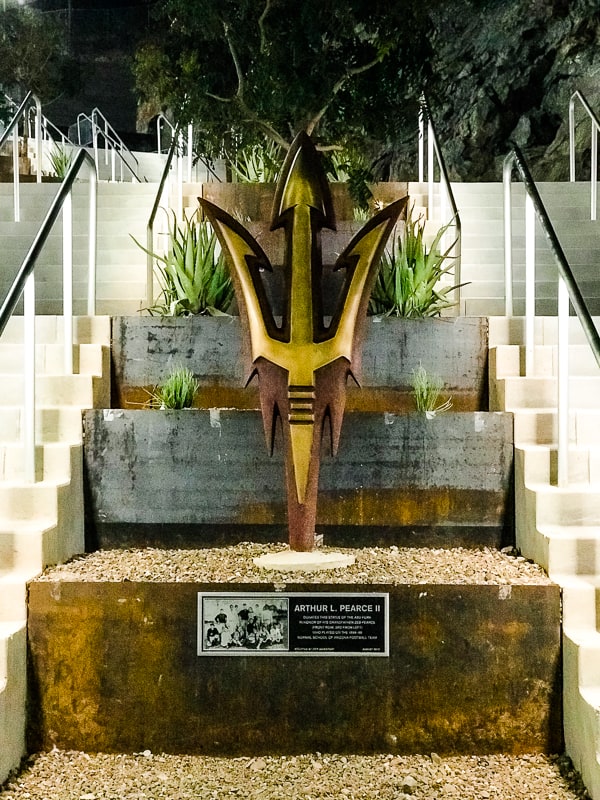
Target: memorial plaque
x: 293, y: 623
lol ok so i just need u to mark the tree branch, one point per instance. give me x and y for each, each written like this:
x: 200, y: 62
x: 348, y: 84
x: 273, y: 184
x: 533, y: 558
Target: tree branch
x: 340, y: 83
x: 239, y: 98
x: 261, y: 26
x: 236, y: 61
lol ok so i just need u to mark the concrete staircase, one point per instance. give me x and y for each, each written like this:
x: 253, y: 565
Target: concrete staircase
x: 559, y: 527
x: 481, y: 209
x: 123, y: 212
x: 40, y: 523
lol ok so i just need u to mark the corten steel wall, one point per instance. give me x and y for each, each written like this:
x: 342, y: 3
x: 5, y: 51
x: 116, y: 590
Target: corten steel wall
x: 145, y: 349
x: 201, y: 477
x: 472, y: 669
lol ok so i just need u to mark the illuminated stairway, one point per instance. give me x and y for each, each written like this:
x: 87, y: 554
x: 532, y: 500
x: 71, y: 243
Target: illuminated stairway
x: 41, y: 523
x: 559, y: 527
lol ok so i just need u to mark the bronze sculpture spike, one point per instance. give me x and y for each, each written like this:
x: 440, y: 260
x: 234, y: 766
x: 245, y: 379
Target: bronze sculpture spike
x: 303, y: 364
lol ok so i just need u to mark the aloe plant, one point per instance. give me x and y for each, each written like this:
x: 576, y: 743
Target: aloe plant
x: 426, y: 392
x: 257, y: 163
x: 193, y: 275
x: 408, y: 277
x: 176, y: 391
x: 61, y: 159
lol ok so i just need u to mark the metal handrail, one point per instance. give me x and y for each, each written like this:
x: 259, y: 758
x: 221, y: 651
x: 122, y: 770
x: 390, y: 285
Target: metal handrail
x: 577, y: 95
x: 433, y: 148
x: 112, y: 141
x: 152, y: 218
x: 568, y: 292
x: 161, y: 120
x: 13, y: 128
x: 24, y: 286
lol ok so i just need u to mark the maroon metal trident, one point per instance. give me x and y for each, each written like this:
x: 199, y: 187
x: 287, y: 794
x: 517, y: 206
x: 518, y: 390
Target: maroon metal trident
x: 303, y: 364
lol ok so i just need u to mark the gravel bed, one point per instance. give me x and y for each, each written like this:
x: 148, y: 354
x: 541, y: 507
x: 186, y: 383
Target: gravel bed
x: 392, y: 565
x: 144, y: 776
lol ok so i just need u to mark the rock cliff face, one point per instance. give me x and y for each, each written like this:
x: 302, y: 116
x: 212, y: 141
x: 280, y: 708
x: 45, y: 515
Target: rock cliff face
x: 505, y: 70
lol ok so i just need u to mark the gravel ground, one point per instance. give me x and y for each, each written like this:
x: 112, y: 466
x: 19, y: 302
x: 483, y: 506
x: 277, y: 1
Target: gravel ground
x: 145, y: 776
x: 394, y: 565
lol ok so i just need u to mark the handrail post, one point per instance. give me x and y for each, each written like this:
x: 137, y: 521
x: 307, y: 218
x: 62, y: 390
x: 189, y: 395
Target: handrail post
x: 38, y: 138
x: 529, y: 284
x: 421, y: 144
x: 430, y: 175
x: 594, y: 172
x: 16, y: 173
x: 563, y: 383
x: 508, y: 278
x: 594, y: 148
x: 572, y: 139
x: 150, y: 226
x: 67, y: 220
x: 180, y: 177
x: 92, y: 244
x: 190, y: 151
x: 29, y: 380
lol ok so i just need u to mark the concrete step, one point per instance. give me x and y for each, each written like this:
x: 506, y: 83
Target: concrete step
x: 509, y: 360
x: 53, y: 462
x: 541, y: 464
x: 26, y: 502
x: 83, y: 391
x: 27, y: 546
x: 573, y: 507
x: 511, y: 330
x: 13, y: 671
x: 571, y: 549
x: 580, y: 593
x: 541, y: 392
x: 52, y: 424
x: 50, y: 329
x: 581, y: 714
x: 13, y: 594
x: 88, y: 359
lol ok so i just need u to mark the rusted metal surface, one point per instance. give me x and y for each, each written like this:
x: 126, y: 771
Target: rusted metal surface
x: 472, y: 669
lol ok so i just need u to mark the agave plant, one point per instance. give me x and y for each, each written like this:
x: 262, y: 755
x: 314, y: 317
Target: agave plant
x: 176, y: 391
x: 193, y: 275
x: 407, y: 282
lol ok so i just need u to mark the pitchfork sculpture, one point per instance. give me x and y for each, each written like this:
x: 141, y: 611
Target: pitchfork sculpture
x: 303, y: 364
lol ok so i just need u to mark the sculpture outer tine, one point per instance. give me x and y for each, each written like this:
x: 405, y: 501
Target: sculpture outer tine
x: 303, y: 365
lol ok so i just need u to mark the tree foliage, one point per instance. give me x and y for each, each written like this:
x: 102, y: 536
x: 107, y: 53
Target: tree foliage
x: 340, y: 70
x: 34, y: 54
